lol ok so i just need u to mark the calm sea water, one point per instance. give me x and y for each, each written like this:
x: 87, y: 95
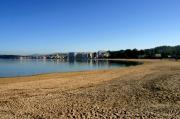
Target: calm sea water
x: 16, y: 67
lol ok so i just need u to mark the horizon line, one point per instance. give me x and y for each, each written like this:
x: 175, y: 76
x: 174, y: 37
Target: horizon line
x: 79, y: 51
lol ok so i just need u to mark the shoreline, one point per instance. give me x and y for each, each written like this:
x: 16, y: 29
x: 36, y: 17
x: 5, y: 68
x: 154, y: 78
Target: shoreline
x: 141, y: 62
x: 138, y: 63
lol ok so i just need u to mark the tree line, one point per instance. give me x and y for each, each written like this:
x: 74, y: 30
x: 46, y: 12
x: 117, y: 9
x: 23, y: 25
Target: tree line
x: 157, y: 52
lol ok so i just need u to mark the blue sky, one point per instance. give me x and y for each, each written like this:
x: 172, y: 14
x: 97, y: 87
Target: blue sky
x: 46, y: 26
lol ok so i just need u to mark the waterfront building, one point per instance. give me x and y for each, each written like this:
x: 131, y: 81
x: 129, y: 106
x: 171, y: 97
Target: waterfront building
x: 103, y: 54
x: 158, y: 55
x: 82, y: 56
x: 71, y: 56
x: 106, y: 54
x: 92, y: 55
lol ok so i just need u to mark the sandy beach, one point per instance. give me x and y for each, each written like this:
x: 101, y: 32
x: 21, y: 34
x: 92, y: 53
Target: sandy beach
x: 150, y: 90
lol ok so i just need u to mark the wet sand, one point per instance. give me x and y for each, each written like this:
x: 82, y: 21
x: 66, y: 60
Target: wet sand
x: 151, y: 90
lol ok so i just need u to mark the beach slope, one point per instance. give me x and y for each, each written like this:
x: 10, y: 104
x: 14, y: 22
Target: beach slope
x: 150, y: 90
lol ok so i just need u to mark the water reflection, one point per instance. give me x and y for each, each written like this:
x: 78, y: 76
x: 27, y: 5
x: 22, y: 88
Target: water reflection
x: 22, y: 67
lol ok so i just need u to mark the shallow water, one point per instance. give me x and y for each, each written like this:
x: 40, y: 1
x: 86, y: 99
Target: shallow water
x: 17, y: 67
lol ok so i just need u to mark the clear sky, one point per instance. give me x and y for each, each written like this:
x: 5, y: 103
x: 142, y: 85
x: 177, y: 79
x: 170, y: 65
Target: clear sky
x: 46, y: 26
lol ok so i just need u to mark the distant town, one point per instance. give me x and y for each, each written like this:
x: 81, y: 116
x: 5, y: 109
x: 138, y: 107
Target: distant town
x: 71, y: 56
x: 63, y: 56
x: 153, y: 53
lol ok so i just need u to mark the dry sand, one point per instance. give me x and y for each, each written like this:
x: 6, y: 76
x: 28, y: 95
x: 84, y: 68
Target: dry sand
x: 151, y: 90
